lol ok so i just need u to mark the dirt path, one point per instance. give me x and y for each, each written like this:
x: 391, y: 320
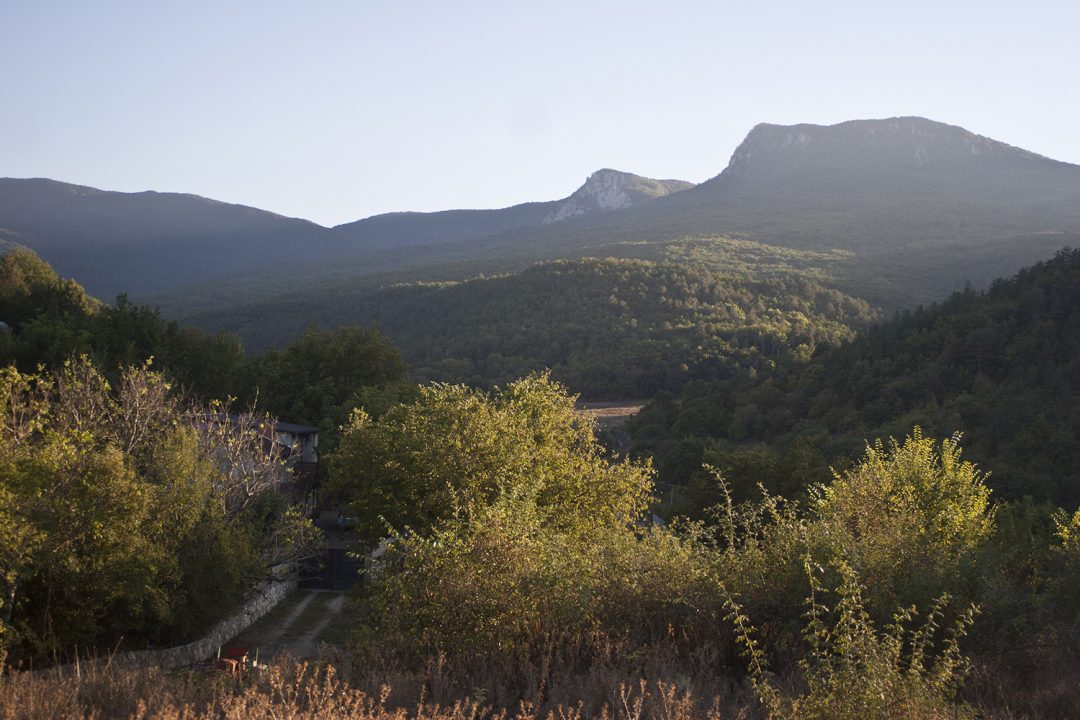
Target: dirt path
x: 307, y: 644
x: 296, y: 626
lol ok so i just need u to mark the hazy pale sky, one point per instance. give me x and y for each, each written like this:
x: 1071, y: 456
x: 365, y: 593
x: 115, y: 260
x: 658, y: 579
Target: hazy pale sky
x: 334, y: 111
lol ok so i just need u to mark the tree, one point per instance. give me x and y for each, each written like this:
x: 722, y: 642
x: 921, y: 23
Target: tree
x: 319, y: 378
x: 455, y: 450
x: 123, y: 516
x: 514, y: 526
x: 908, y: 519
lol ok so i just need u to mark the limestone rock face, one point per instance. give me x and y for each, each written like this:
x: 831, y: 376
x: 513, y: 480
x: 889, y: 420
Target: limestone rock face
x: 612, y: 190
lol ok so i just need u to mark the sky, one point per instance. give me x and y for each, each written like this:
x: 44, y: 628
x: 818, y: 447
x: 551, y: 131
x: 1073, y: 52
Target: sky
x: 334, y: 111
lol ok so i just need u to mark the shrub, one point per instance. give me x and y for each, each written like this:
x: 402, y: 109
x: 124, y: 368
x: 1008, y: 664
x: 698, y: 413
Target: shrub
x: 454, y: 450
x: 1065, y: 589
x: 123, y: 517
x: 501, y: 581
x: 758, y: 557
x: 853, y: 671
x: 909, y: 519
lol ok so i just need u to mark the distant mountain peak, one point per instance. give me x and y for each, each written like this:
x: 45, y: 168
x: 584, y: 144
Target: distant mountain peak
x: 899, y: 141
x: 608, y: 189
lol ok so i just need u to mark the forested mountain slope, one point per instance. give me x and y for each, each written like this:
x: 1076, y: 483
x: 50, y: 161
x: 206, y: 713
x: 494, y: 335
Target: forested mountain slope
x: 867, y: 184
x: 896, y: 212
x: 911, y: 198
x: 610, y: 328
x: 902, y: 194
x: 49, y: 320
x: 1002, y: 365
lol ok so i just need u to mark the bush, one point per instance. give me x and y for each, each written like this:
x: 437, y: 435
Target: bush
x: 503, y: 582
x: 1065, y: 589
x: 454, y: 450
x: 855, y: 672
x: 122, y: 516
x: 909, y: 519
x: 514, y: 527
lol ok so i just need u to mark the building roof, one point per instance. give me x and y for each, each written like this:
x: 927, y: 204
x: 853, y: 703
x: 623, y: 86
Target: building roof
x: 295, y: 429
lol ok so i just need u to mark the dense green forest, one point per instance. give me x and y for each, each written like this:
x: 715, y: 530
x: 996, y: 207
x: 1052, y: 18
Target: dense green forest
x: 51, y: 319
x: 1001, y: 365
x: 609, y: 328
x: 340, y: 291
x: 314, y: 379
x: 612, y: 328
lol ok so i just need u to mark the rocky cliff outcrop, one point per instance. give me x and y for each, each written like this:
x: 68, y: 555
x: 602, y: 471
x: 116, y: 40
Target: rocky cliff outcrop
x: 612, y: 190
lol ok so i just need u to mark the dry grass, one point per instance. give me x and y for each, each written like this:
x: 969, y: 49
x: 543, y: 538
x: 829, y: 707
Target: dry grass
x: 287, y: 691
x: 1048, y: 689
x: 571, y: 679
x: 610, y: 415
x: 654, y: 684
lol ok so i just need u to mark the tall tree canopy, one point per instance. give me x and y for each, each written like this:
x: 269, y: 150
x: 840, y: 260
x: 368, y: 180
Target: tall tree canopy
x: 454, y: 450
x: 123, y: 515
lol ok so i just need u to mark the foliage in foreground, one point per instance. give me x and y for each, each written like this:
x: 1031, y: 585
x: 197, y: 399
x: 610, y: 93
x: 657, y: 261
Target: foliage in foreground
x: 503, y: 575
x: 516, y: 555
x: 321, y: 692
x: 455, y: 452
x: 125, y: 516
x: 908, y: 518
x: 853, y: 671
x: 522, y: 587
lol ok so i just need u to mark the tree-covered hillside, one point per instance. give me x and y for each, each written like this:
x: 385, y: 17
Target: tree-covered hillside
x: 606, y: 327
x: 140, y: 243
x: 314, y: 379
x: 51, y: 319
x: 1002, y: 365
x: 612, y: 328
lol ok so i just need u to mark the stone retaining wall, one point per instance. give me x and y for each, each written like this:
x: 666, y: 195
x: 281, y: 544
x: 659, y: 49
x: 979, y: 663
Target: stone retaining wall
x: 268, y: 596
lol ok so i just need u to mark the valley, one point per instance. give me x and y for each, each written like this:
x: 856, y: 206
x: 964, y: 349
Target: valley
x: 623, y: 439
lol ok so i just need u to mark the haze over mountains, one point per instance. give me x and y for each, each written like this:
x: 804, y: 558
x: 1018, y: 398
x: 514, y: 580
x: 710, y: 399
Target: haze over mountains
x: 864, y: 184
x: 140, y: 243
x: 149, y: 242
x: 883, y: 189
x: 913, y: 207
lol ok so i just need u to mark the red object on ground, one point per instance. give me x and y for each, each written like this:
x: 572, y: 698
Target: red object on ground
x: 228, y: 665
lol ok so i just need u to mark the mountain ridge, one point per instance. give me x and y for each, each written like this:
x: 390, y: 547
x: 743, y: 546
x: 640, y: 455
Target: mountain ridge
x: 893, y: 191
x: 917, y: 130
x: 148, y: 241
x: 403, y: 229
